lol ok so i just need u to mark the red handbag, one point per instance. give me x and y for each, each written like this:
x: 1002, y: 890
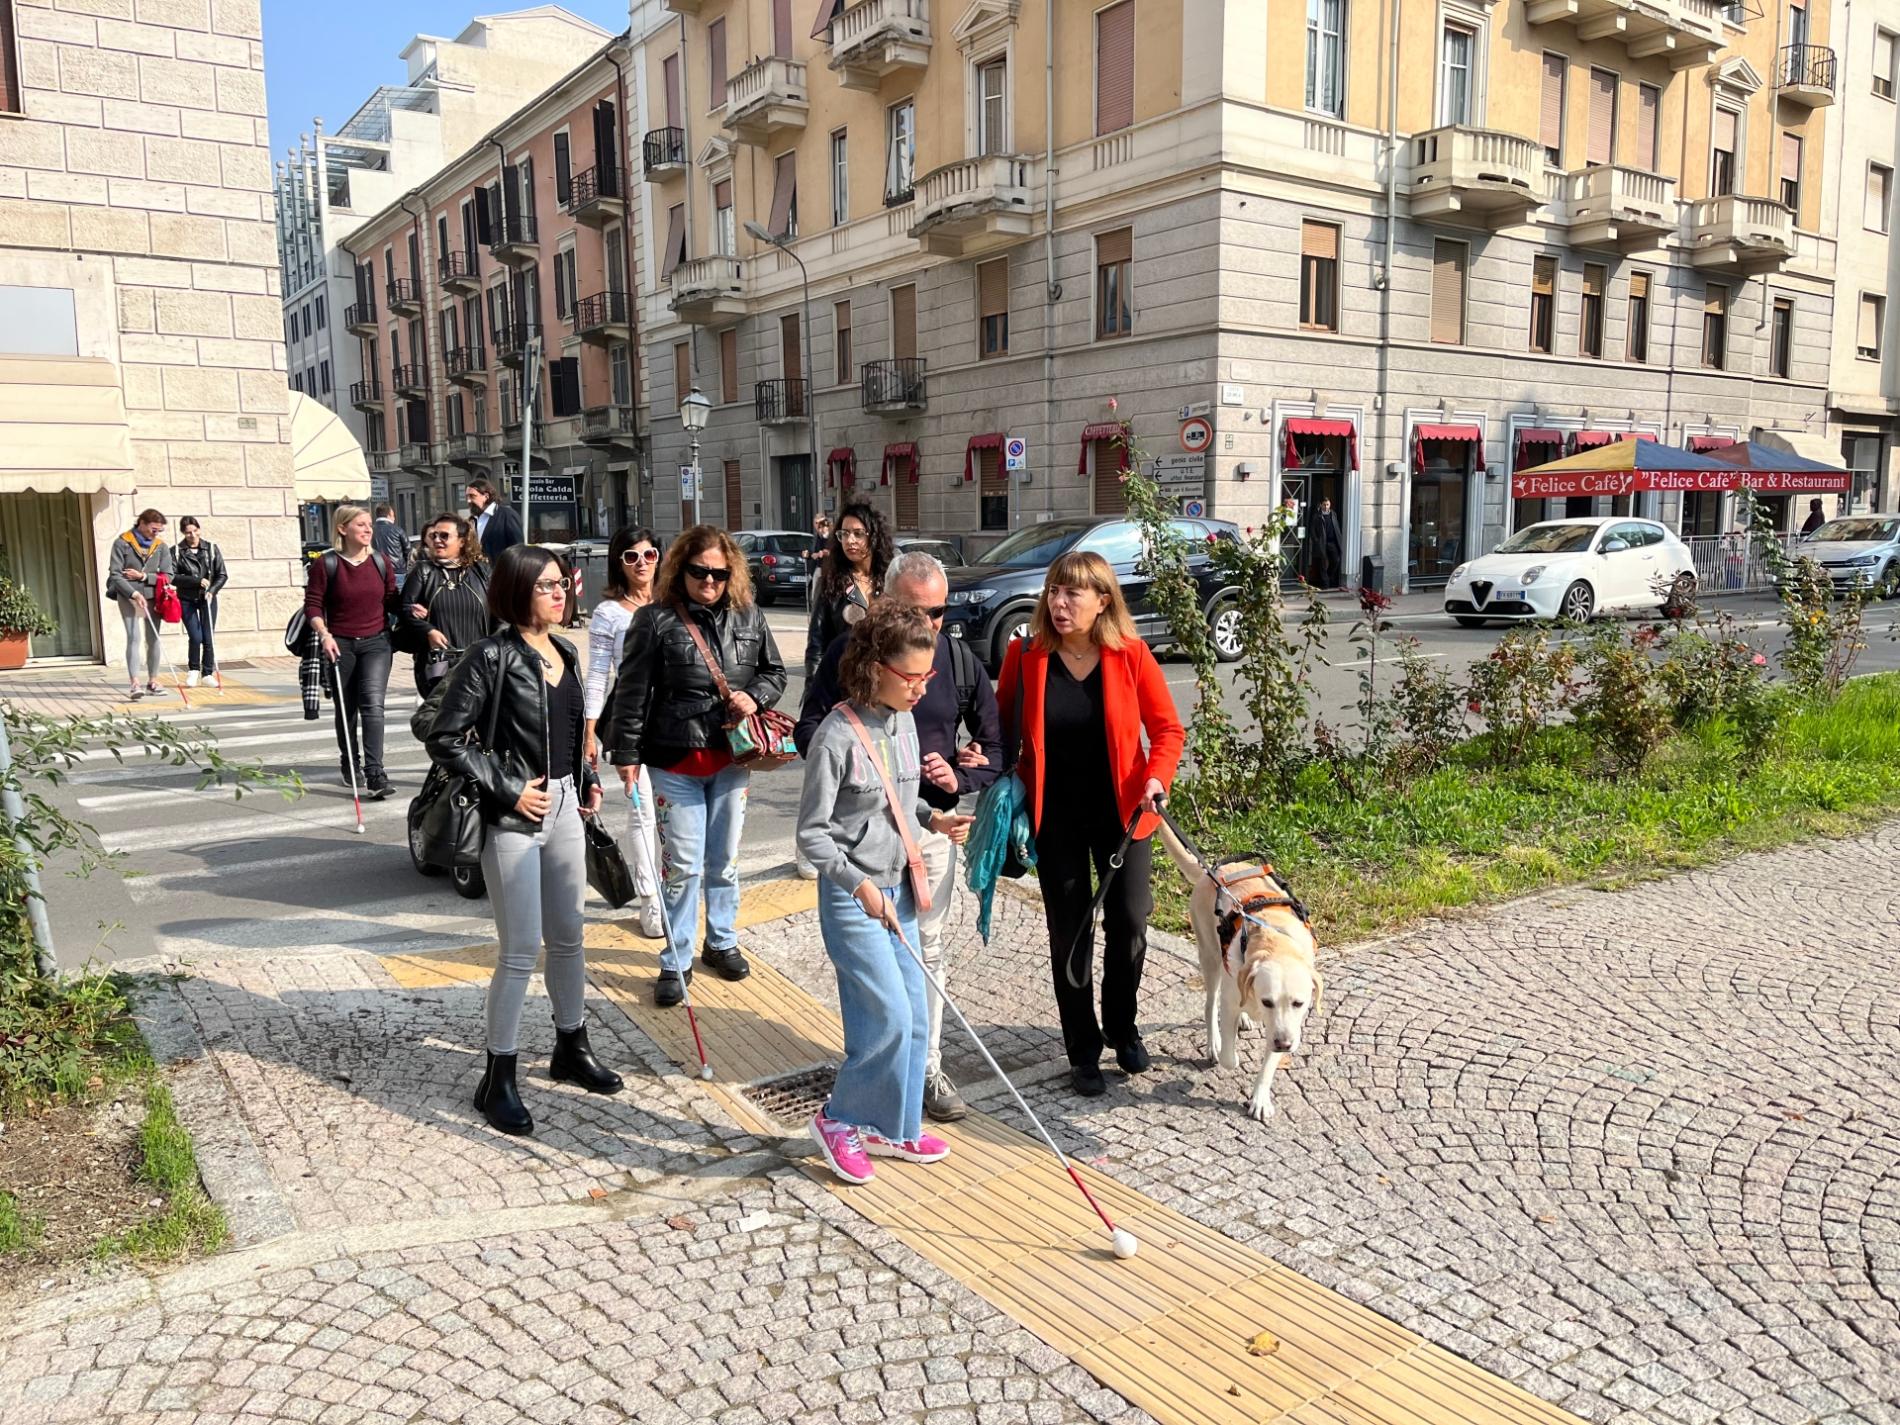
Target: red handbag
x: 165, y: 600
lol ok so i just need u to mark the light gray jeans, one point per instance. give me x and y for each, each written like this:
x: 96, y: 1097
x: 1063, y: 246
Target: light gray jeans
x: 940, y: 865
x: 138, y: 631
x: 538, y: 886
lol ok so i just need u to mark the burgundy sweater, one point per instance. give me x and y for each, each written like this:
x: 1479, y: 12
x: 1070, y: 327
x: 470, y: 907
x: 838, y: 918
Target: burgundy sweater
x: 354, y: 603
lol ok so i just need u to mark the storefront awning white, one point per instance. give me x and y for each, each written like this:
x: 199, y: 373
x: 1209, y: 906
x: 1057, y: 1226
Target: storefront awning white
x: 62, y: 427
x: 327, y: 460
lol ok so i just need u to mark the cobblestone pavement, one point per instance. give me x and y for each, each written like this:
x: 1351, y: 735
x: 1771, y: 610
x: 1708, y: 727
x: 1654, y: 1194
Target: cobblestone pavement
x: 1637, y: 1151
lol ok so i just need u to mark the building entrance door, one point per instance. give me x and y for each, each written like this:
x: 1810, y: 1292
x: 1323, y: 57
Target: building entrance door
x: 794, y: 493
x: 44, y: 544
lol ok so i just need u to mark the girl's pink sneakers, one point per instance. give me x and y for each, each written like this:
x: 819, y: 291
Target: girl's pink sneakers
x: 924, y: 1148
x: 843, y: 1148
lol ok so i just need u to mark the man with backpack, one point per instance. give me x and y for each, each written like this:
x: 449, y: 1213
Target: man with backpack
x: 390, y: 539
x: 957, y: 695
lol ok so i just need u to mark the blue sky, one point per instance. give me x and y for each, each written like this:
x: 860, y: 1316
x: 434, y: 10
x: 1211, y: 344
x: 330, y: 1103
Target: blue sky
x: 324, y: 58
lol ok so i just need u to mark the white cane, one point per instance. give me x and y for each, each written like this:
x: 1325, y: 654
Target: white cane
x: 145, y: 607
x: 349, y: 739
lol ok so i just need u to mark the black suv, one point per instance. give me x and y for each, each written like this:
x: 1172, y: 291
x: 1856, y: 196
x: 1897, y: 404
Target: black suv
x: 992, y: 598
x: 776, y: 560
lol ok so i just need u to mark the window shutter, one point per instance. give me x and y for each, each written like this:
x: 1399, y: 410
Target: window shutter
x: 1639, y: 285
x: 1648, y: 117
x: 992, y: 287
x: 784, y: 184
x: 1118, y: 246
x: 1714, y: 299
x: 1319, y: 240
x: 716, y: 62
x: 735, y: 505
x: 1879, y: 195
x: 682, y: 372
x: 791, y: 350
x: 11, y: 100
x: 782, y: 28
x: 1115, y: 67
x: 1790, y: 158
x: 1724, y: 139
x: 1551, y: 123
x: 722, y: 194
x: 989, y: 466
x: 1592, y: 280
x: 1111, y: 496
x: 606, y: 149
x: 904, y: 322
x: 904, y: 497
x: 670, y: 86
x: 563, y: 169
x: 1543, y: 276
x: 1869, y: 337
x: 729, y: 365
x: 1448, y: 292
x: 841, y: 342
x: 675, y: 252
x: 1602, y: 117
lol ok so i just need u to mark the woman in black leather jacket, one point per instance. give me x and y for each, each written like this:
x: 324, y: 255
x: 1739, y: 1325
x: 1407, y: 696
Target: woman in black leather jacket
x: 849, y: 577
x: 444, y: 603
x: 536, y: 785
x: 668, y: 715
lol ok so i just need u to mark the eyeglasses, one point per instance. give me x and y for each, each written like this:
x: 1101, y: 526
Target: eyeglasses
x: 553, y: 586
x: 917, y: 681
x: 442, y: 536
x: 854, y: 536
x: 703, y: 571
x: 639, y: 556
x: 935, y: 612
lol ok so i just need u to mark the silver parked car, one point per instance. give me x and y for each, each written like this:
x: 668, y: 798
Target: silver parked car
x: 1857, y: 552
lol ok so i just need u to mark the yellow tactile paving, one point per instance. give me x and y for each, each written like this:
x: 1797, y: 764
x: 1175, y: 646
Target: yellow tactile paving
x: 1168, y: 1330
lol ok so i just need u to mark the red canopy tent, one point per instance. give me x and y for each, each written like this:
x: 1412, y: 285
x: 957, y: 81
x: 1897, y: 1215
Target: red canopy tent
x: 1633, y: 466
x: 1768, y: 471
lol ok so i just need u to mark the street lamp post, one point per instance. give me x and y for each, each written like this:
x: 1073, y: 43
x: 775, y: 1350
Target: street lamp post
x: 783, y: 243
x: 693, y: 412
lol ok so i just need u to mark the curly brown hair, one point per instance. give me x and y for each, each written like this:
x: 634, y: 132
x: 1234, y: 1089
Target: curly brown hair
x: 670, y: 586
x: 889, y: 630
x: 464, y: 527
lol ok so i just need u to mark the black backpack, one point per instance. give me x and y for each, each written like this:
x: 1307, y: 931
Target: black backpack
x: 297, y: 631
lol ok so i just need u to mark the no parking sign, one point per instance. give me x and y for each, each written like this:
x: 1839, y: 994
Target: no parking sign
x: 1015, y: 453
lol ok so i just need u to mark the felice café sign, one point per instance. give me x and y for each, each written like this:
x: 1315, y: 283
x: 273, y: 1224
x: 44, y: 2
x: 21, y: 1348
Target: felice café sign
x: 1531, y: 486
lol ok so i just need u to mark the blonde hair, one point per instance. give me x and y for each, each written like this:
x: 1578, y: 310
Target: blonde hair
x: 344, y: 514
x: 1084, y: 570
x: 670, y: 586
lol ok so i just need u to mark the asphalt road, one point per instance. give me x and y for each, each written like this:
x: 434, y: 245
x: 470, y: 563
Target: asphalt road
x: 212, y: 875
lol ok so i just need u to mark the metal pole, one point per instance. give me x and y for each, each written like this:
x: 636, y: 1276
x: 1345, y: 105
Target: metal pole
x: 697, y: 480
x: 530, y: 388
x: 14, y: 810
x: 811, y: 397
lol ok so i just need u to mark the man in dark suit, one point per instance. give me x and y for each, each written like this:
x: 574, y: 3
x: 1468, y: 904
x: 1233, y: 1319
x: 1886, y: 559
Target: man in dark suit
x: 389, y: 539
x: 497, y: 525
x: 1332, y: 545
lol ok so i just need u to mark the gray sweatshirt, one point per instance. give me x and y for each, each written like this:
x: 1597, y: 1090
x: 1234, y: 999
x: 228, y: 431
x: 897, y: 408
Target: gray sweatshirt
x: 844, y: 817
x: 123, y: 555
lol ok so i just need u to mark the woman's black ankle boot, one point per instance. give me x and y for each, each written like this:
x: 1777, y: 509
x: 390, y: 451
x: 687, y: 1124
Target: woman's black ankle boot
x: 573, y: 1061
x: 498, y: 1099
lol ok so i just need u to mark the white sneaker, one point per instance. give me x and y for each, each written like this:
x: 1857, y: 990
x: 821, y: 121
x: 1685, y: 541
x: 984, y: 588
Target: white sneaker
x: 191, y: 678
x: 806, y: 871
x: 652, y: 918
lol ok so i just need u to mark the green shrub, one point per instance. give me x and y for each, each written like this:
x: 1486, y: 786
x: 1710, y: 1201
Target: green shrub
x: 1520, y: 688
x: 1621, y: 705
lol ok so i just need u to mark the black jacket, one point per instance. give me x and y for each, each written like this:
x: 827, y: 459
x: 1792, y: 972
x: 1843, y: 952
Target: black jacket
x: 502, y: 531
x: 461, y: 625
x: 199, y: 573
x: 389, y: 539
x: 665, y: 703
x: 828, y: 621
x: 503, y: 665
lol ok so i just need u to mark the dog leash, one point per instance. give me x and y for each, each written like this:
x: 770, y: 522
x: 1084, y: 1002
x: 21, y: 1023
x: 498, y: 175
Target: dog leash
x: 1087, y: 931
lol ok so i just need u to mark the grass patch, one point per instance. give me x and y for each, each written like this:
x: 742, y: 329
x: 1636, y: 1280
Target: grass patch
x: 190, y: 1222
x: 19, y: 1231
x: 1475, y: 832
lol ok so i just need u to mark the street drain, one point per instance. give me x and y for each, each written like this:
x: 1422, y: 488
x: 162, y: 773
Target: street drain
x: 790, y: 1100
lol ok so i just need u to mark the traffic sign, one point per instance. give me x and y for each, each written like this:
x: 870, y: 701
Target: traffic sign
x: 1015, y: 453
x: 1181, y: 475
x: 1194, y: 509
x: 1197, y: 434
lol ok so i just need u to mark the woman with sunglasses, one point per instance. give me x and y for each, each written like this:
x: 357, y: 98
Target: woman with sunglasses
x: 632, y: 557
x: 444, y: 605
x: 669, y: 717
x: 848, y: 579
x: 535, y: 788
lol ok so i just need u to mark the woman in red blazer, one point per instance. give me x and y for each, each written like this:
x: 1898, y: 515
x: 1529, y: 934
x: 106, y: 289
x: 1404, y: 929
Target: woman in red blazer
x: 1084, y: 692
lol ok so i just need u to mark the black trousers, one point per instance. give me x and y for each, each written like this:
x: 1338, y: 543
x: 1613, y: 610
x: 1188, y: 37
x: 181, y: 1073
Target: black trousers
x: 1065, y: 850
x: 362, y: 671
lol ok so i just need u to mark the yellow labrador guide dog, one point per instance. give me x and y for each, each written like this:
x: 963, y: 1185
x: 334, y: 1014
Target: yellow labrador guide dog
x: 1258, y: 958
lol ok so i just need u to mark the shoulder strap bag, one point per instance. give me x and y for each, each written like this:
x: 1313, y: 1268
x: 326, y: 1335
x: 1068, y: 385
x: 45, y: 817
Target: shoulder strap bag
x: 449, y: 830
x: 761, y: 739
x: 919, y: 877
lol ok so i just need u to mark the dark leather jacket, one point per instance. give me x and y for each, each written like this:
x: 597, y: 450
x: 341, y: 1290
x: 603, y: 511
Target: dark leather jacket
x: 521, y: 725
x: 665, y: 701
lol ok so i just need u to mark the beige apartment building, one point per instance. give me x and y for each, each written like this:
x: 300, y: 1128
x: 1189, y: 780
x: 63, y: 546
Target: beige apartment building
x: 1305, y: 257
x: 504, y: 278
x: 141, y: 350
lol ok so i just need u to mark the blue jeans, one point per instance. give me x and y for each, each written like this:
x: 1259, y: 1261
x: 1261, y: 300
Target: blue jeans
x: 201, y: 616
x: 884, y: 1001
x: 700, y: 822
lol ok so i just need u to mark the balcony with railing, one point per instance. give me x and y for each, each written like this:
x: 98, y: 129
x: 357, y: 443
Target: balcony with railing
x: 467, y: 364
x: 709, y: 291
x: 973, y: 205
x: 410, y: 379
x: 766, y: 98
x: 1736, y: 233
x: 875, y: 39
x: 359, y: 318
x: 382, y: 462
x: 366, y: 395
x: 781, y: 400
x: 471, y: 449
x: 457, y: 272
x: 608, y: 425
x: 1686, y: 32
x: 594, y: 195
x: 682, y: 7
x: 1612, y: 206
x: 894, y: 387
x: 419, y: 456
x: 604, y: 317
x: 663, y: 153
x: 1804, y: 74
x: 512, y: 239
x: 511, y: 341
x: 1475, y: 177
x: 404, y: 295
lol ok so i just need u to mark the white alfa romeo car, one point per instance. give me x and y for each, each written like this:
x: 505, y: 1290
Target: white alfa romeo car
x: 1575, y: 569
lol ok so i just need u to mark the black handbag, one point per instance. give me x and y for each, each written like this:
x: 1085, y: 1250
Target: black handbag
x: 607, y: 869
x: 452, y: 828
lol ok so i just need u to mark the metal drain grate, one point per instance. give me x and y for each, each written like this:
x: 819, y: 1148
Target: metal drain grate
x: 790, y: 1100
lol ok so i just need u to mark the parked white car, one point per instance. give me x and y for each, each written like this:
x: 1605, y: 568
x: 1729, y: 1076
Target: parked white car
x: 1574, y: 569
x: 1856, y: 551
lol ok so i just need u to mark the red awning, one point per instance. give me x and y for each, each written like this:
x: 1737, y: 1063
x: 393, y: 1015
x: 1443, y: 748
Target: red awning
x: 1316, y: 429
x: 903, y: 450
x: 1462, y: 435
x: 1102, y: 430
x: 1529, y: 485
x: 1701, y: 443
x: 1532, y: 439
x: 841, y: 464
x: 992, y: 441
x: 1591, y: 440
